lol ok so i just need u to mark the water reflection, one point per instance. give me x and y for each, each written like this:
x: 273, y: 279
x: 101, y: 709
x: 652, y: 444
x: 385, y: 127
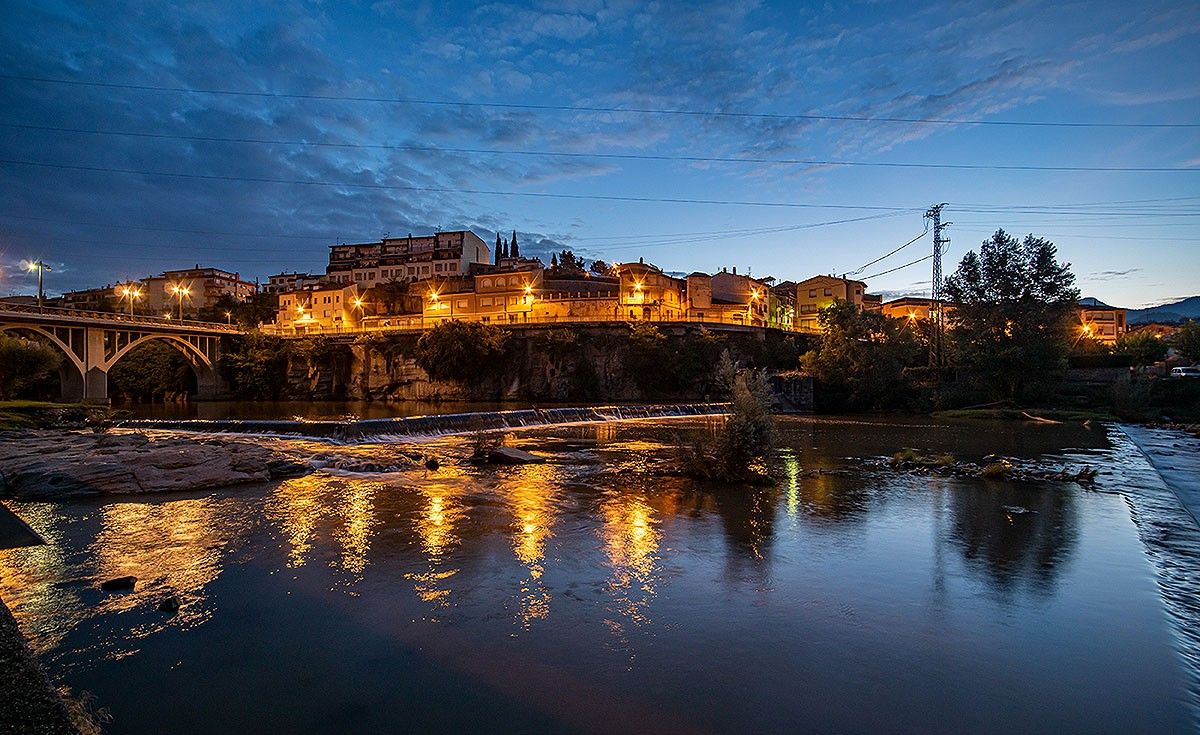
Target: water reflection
x: 631, y: 539
x: 32, y: 581
x: 175, y: 546
x: 1009, y: 548
x: 532, y: 501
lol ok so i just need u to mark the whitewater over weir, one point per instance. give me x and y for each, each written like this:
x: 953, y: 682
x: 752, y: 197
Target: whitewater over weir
x: 431, y: 425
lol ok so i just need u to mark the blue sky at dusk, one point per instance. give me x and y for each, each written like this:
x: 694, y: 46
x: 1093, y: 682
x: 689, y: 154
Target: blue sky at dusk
x: 351, y: 120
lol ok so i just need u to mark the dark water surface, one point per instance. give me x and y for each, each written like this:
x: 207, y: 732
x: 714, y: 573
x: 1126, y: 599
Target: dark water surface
x: 593, y: 594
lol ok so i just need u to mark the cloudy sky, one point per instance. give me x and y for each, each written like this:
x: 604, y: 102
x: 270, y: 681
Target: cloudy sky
x: 136, y: 137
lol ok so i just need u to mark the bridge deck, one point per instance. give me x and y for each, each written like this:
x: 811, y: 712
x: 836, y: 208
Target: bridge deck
x: 56, y: 316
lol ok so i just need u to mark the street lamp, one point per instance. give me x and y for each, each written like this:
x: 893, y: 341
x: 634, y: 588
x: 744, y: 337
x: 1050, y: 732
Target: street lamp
x: 131, y: 293
x: 229, y: 317
x: 180, y: 291
x: 40, y: 267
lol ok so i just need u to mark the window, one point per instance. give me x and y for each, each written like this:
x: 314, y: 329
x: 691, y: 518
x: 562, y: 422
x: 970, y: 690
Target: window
x: 812, y: 293
x: 829, y: 292
x: 437, y: 267
x: 487, y: 283
x: 485, y: 301
x: 462, y: 303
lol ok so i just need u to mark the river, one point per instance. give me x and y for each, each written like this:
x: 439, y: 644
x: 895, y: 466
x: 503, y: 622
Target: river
x: 593, y: 594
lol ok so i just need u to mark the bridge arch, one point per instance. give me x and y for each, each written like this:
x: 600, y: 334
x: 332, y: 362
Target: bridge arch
x: 200, y: 360
x: 72, y: 373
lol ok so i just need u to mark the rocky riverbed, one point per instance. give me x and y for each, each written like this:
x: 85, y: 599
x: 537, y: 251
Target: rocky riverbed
x: 54, y: 464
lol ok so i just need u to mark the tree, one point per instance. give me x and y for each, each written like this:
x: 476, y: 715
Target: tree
x: 513, y: 250
x: 566, y: 264
x: 861, y: 356
x: 257, y: 309
x: 1145, y: 348
x: 600, y: 268
x: 149, y: 372
x: 469, y: 352
x: 1187, y: 341
x: 499, y: 248
x: 1013, y: 308
x: 23, y: 364
x: 253, y: 365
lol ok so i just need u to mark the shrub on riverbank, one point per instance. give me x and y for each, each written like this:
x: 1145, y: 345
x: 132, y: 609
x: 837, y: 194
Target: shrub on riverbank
x: 743, y: 443
x: 23, y: 364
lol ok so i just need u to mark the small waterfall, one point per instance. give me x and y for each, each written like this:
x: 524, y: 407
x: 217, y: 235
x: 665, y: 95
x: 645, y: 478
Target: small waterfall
x: 453, y: 423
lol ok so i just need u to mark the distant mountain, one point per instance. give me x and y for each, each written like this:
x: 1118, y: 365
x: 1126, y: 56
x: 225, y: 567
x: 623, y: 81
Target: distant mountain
x: 1179, y: 311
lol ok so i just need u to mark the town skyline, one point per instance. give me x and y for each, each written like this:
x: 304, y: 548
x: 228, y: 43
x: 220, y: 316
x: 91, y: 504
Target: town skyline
x: 256, y: 144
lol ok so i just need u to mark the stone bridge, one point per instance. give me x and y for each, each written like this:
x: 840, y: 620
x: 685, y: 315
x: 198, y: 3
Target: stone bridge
x: 92, y: 342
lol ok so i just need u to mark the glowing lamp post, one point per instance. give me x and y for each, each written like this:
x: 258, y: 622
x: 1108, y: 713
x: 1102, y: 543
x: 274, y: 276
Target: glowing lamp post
x: 131, y: 294
x: 180, y: 291
x: 40, y: 267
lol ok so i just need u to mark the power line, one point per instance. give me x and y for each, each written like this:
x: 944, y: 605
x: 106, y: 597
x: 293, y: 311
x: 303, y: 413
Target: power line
x: 450, y: 190
x: 594, y: 108
x: 888, y: 254
x: 899, y: 267
x: 605, y: 156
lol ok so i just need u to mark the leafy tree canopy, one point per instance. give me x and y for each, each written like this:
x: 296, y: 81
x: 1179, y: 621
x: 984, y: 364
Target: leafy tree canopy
x: 1014, y: 305
x: 23, y: 364
x: 463, y: 351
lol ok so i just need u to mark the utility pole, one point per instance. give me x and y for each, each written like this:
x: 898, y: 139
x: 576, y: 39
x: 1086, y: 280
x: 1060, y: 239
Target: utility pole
x: 937, y: 324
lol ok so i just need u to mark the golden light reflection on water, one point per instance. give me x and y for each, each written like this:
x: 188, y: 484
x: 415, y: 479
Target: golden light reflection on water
x: 532, y: 501
x: 631, y: 542
x: 442, y: 513
x: 173, y: 546
x: 340, y: 508
x: 29, y: 576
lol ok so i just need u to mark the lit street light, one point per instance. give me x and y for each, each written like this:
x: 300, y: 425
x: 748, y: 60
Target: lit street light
x: 180, y: 291
x: 40, y: 267
x: 131, y: 293
x: 229, y: 317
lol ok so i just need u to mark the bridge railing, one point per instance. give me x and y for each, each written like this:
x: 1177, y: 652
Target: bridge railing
x: 58, y: 313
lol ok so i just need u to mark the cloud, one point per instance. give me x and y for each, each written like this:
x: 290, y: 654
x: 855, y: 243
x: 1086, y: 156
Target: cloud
x: 1114, y: 274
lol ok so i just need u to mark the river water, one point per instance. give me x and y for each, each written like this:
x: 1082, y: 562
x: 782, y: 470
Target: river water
x: 594, y: 594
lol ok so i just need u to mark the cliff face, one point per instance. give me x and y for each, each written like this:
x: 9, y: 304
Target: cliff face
x: 615, y: 364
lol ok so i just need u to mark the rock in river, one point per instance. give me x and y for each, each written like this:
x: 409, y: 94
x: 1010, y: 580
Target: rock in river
x: 118, y: 584
x: 511, y: 455
x: 54, y: 464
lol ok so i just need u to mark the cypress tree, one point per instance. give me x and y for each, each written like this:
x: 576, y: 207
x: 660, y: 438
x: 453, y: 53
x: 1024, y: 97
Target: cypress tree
x: 513, y: 249
x: 499, y: 248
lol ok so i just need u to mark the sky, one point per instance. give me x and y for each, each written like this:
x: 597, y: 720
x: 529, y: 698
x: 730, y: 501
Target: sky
x: 139, y: 137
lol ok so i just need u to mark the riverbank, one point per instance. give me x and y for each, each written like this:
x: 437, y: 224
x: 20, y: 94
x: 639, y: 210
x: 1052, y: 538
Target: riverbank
x: 29, y: 703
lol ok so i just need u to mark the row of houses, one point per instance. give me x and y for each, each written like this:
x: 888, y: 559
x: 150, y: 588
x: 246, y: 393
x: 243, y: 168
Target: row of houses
x: 189, y: 289
x: 417, y: 281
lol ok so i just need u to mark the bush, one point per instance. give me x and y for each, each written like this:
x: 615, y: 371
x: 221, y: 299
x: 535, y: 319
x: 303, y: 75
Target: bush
x: 743, y: 442
x: 23, y: 364
x: 468, y: 352
x: 255, y: 366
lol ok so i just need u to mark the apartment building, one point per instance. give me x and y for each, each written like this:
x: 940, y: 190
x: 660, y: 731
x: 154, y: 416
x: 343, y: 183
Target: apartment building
x: 440, y: 255
x: 1100, y: 321
x: 814, y: 294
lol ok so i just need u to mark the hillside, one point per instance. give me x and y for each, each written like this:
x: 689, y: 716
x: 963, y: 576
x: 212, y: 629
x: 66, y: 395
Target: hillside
x: 1178, y: 311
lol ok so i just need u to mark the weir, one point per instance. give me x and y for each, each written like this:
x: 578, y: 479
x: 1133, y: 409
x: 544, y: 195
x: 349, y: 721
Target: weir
x: 453, y: 423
